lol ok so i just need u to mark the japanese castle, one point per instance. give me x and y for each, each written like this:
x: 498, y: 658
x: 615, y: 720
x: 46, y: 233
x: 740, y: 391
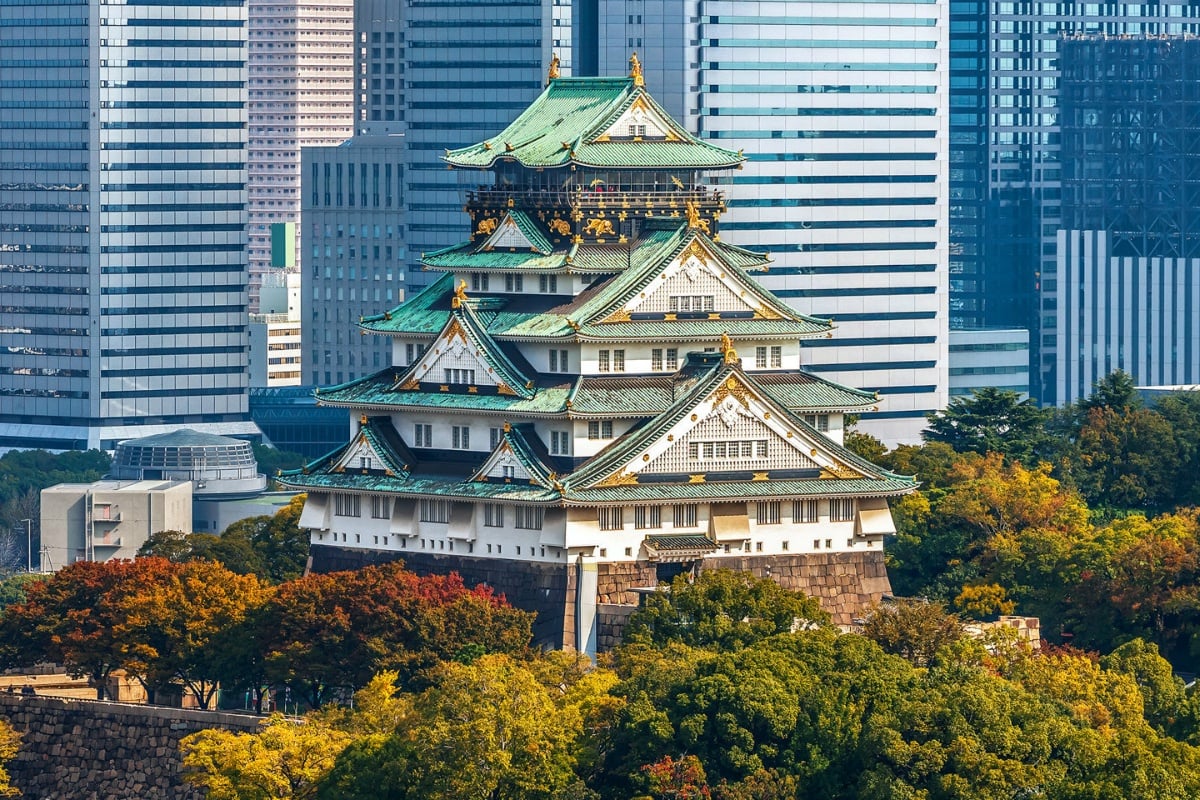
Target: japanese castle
x: 595, y: 395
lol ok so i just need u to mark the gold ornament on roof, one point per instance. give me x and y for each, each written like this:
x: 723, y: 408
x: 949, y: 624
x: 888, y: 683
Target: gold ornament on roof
x: 598, y: 227
x: 694, y: 219
x: 635, y: 70
x: 460, y: 295
x: 553, y: 72
x: 560, y: 227
x: 486, y: 226
x: 731, y: 356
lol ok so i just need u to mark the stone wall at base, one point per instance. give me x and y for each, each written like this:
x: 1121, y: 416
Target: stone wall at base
x: 90, y: 750
x: 547, y: 589
x: 845, y: 583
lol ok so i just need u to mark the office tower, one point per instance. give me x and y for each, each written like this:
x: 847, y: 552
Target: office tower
x: 122, y: 221
x: 1005, y: 171
x: 1129, y: 246
x: 301, y: 63
x: 352, y: 254
x: 594, y: 395
x: 841, y: 110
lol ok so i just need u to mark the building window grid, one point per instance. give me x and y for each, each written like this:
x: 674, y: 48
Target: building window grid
x: 529, y: 518
x: 422, y: 435
x: 347, y: 505
x: 611, y: 519
x: 435, y: 511
x: 381, y: 507
x: 841, y: 510
x: 647, y: 517
x: 684, y: 516
x: 805, y: 511
x: 600, y: 429
x: 493, y: 515
x: 768, y: 512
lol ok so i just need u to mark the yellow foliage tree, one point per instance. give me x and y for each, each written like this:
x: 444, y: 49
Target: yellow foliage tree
x: 10, y: 743
x: 285, y: 760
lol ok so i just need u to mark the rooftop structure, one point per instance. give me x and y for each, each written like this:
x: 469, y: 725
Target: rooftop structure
x: 217, y: 466
x: 595, y: 395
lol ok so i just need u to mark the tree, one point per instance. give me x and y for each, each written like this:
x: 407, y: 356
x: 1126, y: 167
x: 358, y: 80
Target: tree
x: 991, y: 421
x: 912, y: 629
x: 74, y: 618
x: 171, y: 626
x: 274, y: 546
x: 1181, y: 410
x: 1164, y: 697
x: 1115, y: 391
x: 1127, y: 458
x: 723, y: 609
x: 14, y: 589
x: 285, y: 760
x: 10, y: 745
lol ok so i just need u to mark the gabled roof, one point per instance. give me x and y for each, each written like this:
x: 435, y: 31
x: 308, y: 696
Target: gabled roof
x: 381, y: 437
x: 516, y: 229
x: 510, y: 376
x: 522, y: 442
x: 718, y: 377
x: 379, y: 392
x: 567, y: 123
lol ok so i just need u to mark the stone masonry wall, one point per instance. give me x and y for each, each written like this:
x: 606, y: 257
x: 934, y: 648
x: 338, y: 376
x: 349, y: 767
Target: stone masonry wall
x: 90, y: 750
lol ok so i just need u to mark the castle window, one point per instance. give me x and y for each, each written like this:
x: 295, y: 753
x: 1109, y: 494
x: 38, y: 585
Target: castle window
x: 494, y: 435
x: 728, y: 451
x: 548, y: 284
x: 508, y: 471
x: 435, y: 511
x: 818, y: 421
x: 656, y: 359
x: 514, y: 283
x: 841, y: 510
x: 804, y: 511
x: 558, y: 361
x: 637, y: 130
x: 672, y: 358
x: 760, y: 357
x: 604, y: 361
x: 493, y: 515
x: 768, y: 513
x: 460, y: 437
x: 611, y: 519
x: 347, y: 505
x: 462, y: 376
x: 647, y: 517
x: 560, y: 443
x: 601, y: 429
x: 684, y: 516
x: 529, y: 519
x: 422, y: 435
x: 691, y: 302
x: 381, y: 507
x: 479, y: 281
x: 776, y: 357
x: 618, y: 360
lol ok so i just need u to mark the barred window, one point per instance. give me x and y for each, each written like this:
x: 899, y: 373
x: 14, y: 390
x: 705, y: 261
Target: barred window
x: 422, y: 435
x: 768, y: 513
x: 804, y: 511
x: 818, y: 421
x: 603, y: 361
x: 611, y: 519
x: 435, y: 510
x: 494, y: 435
x: 776, y: 357
x: 381, y: 507
x: 618, y: 360
x: 479, y: 281
x: 685, y: 516
x: 647, y: 517
x: 493, y: 515
x: 656, y: 359
x: 728, y: 451
x: 460, y: 438
x: 841, y: 510
x: 672, y: 358
x: 514, y: 283
x: 464, y: 376
x: 560, y: 443
x: 529, y: 518
x: 601, y: 429
x: 760, y: 357
x: 347, y: 505
x: 548, y: 284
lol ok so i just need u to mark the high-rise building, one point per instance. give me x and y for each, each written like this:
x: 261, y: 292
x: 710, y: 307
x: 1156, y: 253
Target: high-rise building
x: 122, y: 221
x: 1005, y: 211
x: 842, y: 111
x: 1129, y: 244
x: 301, y: 94
x: 594, y: 396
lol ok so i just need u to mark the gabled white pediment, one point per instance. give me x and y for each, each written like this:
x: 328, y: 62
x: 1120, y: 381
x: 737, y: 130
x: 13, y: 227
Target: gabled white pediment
x: 735, y: 429
x: 508, y: 235
x: 360, y: 455
x: 503, y: 464
x: 452, y: 351
x: 640, y: 120
x: 696, y: 280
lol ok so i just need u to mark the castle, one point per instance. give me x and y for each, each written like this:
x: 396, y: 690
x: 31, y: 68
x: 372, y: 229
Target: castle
x: 596, y: 396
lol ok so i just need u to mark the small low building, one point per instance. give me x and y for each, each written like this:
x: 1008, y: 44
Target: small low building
x: 109, y: 519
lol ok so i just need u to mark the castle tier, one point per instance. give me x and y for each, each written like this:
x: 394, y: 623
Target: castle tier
x: 596, y: 395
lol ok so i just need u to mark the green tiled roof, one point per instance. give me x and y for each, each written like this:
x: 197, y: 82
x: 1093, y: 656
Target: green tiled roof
x: 532, y: 230
x: 617, y: 397
x: 468, y: 257
x: 530, y: 451
x: 378, y: 392
x: 561, y: 126
x: 738, y: 490
x: 420, y: 485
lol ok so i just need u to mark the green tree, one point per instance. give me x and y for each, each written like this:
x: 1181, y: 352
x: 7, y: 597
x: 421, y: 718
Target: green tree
x: 1181, y: 410
x: 912, y: 629
x: 1115, y: 391
x: 991, y: 421
x: 1165, y: 700
x: 722, y: 609
x: 14, y: 589
x: 1128, y: 459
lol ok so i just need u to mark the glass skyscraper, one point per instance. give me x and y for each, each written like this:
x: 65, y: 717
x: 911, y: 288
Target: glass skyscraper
x: 122, y: 220
x: 842, y: 110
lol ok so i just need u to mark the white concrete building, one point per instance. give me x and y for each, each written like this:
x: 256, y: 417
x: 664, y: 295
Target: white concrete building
x: 301, y: 94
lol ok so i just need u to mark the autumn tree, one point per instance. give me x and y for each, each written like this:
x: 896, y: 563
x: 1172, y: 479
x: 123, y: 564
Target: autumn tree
x: 172, y: 626
x: 721, y: 608
x: 912, y: 629
x: 1128, y: 458
x: 10, y: 745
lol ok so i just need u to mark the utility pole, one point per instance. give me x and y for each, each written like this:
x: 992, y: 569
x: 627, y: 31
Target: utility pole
x: 28, y: 544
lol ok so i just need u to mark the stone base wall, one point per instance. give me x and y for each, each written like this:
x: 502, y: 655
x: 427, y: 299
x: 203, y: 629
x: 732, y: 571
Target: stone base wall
x: 89, y: 750
x: 546, y: 589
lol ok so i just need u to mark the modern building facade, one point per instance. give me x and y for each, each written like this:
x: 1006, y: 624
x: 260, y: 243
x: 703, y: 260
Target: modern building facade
x: 595, y: 395
x: 122, y: 221
x: 301, y: 94
x: 989, y: 358
x: 353, y: 256
x: 842, y: 112
x: 1128, y: 254
x: 276, y: 353
x: 1006, y: 163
